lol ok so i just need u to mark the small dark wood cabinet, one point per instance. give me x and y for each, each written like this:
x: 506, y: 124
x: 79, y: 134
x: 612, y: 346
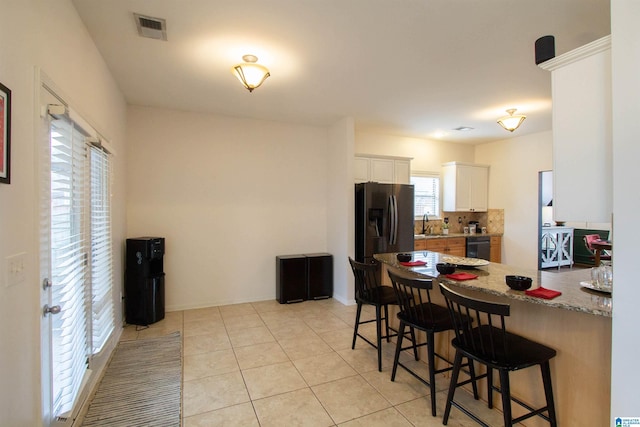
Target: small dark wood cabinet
x: 304, y: 277
x: 291, y: 277
x: 319, y: 276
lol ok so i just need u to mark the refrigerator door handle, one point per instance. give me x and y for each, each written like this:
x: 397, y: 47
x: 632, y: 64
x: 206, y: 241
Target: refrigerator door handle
x: 395, y: 227
x: 390, y: 200
x: 393, y: 223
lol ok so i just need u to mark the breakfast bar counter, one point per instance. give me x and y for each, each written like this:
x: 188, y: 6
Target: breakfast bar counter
x: 491, y: 280
x: 577, y: 324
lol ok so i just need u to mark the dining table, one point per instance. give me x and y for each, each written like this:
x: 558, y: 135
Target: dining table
x: 599, y: 246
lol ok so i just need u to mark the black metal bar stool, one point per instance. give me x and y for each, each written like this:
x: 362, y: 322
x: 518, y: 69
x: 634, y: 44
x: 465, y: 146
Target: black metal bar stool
x: 418, y: 312
x: 488, y: 342
x: 370, y: 292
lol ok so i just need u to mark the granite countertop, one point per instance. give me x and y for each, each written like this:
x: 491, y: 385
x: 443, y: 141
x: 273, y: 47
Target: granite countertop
x: 450, y: 235
x: 491, y: 280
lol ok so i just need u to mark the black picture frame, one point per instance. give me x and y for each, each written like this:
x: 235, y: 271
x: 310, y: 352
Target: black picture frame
x: 5, y: 134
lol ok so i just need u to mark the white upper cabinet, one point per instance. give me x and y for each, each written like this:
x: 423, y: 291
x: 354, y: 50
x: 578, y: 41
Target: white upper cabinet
x: 582, y: 136
x: 465, y: 187
x: 361, y: 166
x: 382, y: 170
x: 402, y: 171
x: 386, y: 170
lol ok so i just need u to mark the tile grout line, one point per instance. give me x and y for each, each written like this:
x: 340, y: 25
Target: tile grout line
x: 270, y: 325
x: 300, y: 373
x: 244, y: 381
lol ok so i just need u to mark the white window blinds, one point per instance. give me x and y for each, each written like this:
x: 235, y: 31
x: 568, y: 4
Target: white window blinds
x: 102, y: 309
x: 81, y: 256
x: 68, y: 249
x: 426, y: 194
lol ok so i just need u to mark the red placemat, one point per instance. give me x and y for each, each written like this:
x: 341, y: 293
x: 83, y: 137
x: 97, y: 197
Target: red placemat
x: 413, y: 263
x: 461, y: 276
x: 543, y: 293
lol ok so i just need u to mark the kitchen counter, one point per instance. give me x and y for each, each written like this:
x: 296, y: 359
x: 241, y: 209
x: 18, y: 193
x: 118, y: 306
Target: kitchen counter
x: 491, y: 281
x: 577, y: 324
x: 451, y: 235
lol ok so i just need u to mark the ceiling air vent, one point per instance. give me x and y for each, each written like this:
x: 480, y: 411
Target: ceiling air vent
x: 153, y: 28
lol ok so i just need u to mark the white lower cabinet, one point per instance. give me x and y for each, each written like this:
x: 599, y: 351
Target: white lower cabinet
x: 556, y: 246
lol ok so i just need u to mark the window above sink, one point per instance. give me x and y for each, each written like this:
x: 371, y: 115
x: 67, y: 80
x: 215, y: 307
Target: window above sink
x: 426, y: 194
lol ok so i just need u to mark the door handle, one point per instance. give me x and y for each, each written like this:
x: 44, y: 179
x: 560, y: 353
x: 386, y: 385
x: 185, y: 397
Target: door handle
x: 391, y: 219
x: 50, y: 310
x: 393, y: 231
x: 46, y: 283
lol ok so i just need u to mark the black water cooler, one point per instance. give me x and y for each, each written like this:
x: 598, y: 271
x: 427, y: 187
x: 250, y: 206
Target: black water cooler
x: 144, y: 280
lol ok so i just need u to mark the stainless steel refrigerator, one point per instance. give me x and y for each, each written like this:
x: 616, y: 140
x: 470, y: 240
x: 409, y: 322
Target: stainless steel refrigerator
x: 384, y: 219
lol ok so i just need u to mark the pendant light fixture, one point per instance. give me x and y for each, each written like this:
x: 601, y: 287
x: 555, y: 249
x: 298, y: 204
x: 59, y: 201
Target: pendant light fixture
x: 250, y: 73
x: 511, y: 122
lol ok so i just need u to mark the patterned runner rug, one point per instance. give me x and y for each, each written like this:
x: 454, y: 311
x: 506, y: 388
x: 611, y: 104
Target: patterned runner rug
x: 141, y: 386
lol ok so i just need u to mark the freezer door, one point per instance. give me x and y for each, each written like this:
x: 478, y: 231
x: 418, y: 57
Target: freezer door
x: 378, y: 218
x: 372, y: 219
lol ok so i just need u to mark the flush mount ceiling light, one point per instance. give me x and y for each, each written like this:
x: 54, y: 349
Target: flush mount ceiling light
x: 511, y: 122
x: 250, y: 73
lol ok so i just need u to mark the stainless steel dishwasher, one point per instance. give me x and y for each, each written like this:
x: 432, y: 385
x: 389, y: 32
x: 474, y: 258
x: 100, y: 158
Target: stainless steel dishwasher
x: 479, y: 247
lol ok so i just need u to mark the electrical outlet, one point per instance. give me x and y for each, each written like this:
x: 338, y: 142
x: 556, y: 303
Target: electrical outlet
x: 16, y: 269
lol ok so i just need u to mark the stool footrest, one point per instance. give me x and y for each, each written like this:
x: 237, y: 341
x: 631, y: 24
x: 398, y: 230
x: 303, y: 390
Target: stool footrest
x: 532, y: 412
x: 469, y: 414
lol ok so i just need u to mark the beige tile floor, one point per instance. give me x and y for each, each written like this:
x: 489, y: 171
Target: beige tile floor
x: 269, y: 364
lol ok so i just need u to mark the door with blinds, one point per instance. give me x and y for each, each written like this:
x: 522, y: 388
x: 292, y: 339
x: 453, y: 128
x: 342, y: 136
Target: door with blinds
x: 75, y: 257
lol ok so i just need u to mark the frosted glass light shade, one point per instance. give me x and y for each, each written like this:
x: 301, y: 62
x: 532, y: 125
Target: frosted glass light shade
x: 250, y: 74
x: 511, y: 122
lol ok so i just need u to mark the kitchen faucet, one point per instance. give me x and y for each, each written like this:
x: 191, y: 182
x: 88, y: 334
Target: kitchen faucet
x: 425, y: 219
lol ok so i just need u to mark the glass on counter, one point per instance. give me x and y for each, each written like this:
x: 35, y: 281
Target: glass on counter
x: 602, y: 276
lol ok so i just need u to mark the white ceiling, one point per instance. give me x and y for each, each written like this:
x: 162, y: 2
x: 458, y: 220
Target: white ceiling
x: 405, y: 67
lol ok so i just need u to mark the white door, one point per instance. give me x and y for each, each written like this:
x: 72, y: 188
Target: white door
x: 76, y: 257
x: 63, y: 259
x: 44, y: 196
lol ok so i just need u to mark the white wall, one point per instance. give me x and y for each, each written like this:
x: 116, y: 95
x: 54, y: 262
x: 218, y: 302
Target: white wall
x: 46, y: 34
x: 428, y: 155
x: 625, y: 58
x: 229, y: 195
x: 341, y: 205
x: 513, y: 186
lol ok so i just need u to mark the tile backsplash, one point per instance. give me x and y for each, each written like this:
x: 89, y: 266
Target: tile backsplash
x: 493, y: 219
